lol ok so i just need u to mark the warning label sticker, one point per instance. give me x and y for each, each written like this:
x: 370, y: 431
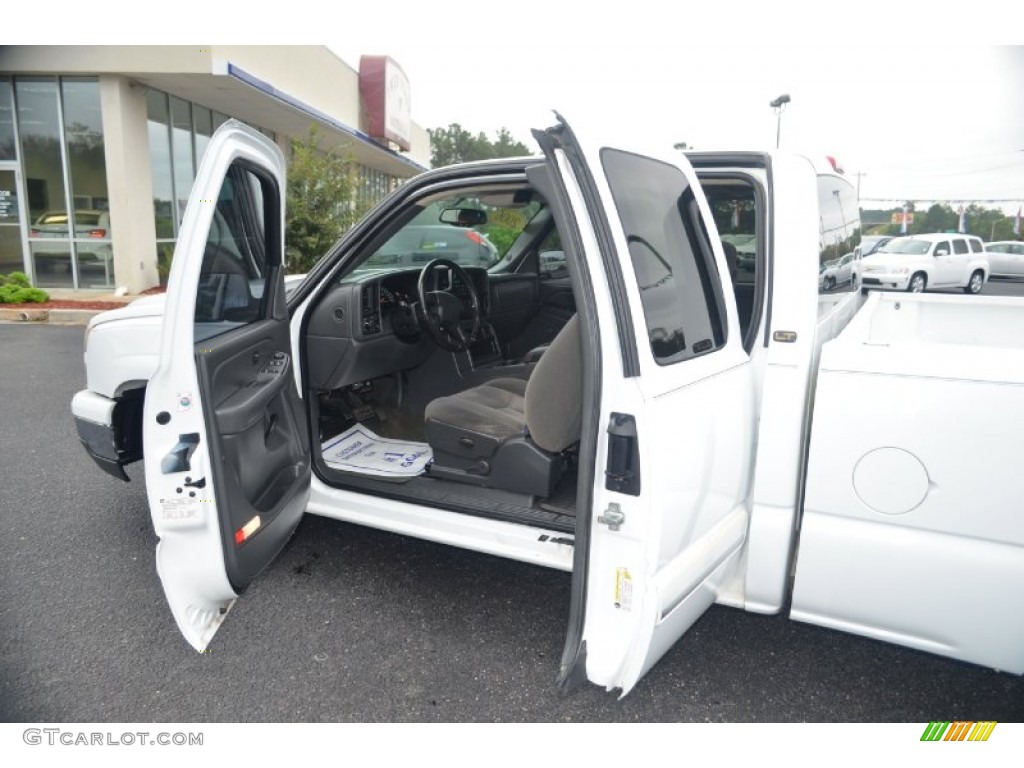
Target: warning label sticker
x: 181, y: 510
x: 623, y: 589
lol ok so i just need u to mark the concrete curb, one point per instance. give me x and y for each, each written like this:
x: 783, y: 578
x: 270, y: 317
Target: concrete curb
x: 49, y: 316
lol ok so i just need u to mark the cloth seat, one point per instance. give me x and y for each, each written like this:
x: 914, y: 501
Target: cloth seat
x: 468, y: 431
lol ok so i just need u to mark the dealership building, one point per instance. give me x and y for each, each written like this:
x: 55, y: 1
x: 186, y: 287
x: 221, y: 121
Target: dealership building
x: 99, y: 145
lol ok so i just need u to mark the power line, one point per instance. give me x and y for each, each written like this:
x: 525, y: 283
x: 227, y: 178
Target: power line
x: 948, y: 198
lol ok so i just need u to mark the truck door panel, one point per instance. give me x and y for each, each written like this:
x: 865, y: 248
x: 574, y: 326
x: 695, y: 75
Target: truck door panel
x: 663, y: 542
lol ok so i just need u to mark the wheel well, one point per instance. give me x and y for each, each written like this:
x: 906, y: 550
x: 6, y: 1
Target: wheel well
x: 127, y: 419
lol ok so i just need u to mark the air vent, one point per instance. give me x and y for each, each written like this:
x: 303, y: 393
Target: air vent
x: 370, y: 304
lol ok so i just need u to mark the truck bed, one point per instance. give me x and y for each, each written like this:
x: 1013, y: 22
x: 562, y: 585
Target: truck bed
x: 912, y: 529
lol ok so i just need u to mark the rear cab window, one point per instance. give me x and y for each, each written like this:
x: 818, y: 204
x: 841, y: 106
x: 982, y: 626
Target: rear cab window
x: 738, y: 213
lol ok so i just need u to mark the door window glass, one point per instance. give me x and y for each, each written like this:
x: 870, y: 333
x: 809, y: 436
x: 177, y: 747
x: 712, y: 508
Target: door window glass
x: 672, y: 258
x: 960, y: 246
x: 241, y: 250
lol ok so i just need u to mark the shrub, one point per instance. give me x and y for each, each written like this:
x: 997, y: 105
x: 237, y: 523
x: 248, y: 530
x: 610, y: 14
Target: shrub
x: 16, y: 289
x: 15, y: 278
x: 322, y: 201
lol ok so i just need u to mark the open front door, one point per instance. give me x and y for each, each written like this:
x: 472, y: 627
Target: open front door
x: 226, y: 447
x: 664, y: 535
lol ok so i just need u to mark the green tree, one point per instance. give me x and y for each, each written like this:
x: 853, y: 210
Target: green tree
x: 503, y: 227
x: 455, y: 144
x: 986, y: 223
x: 938, y: 218
x: 322, y: 201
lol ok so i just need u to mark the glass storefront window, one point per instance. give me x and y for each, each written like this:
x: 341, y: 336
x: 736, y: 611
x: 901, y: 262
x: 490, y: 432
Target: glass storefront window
x: 10, y: 224
x: 83, y: 132
x: 39, y: 128
x: 40, y: 144
x: 160, y: 164
x: 204, y: 129
x: 7, y: 148
x: 179, y: 133
x: 181, y: 151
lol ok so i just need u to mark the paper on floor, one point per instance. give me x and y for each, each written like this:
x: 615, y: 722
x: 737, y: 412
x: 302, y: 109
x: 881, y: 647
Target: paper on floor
x: 358, y: 449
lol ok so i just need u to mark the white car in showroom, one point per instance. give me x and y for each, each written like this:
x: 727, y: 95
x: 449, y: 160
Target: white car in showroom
x: 922, y: 262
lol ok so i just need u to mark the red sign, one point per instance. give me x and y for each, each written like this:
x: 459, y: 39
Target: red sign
x: 384, y: 90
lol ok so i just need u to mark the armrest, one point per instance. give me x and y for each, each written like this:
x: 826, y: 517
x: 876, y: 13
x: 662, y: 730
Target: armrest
x: 535, y: 354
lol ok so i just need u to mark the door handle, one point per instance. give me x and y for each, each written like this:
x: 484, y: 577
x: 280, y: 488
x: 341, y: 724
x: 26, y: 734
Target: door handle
x: 622, y: 471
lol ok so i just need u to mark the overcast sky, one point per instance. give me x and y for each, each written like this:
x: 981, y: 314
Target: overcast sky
x: 935, y: 122
x: 918, y: 112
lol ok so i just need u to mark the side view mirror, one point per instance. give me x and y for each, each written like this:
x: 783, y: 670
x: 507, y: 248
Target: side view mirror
x: 941, y: 252
x: 464, y: 217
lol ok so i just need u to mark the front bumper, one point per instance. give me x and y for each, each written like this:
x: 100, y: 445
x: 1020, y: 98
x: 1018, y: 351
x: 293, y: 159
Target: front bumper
x: 110, y: 430
x: 891, y: 280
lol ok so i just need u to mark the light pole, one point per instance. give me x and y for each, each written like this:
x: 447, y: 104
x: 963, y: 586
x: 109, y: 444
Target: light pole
x: 779, y: 105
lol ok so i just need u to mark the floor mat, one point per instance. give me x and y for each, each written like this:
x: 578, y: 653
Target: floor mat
x: 360, y: 450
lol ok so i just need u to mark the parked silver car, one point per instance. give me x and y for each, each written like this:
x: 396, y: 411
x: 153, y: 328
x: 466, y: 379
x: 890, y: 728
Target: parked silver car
x: 1006, y: 258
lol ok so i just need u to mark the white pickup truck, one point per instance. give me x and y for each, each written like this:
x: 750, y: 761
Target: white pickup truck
x: 671, y: 427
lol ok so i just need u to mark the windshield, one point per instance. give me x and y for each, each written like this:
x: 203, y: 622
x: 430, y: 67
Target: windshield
x: 471, y: 231
x: 906, y: 245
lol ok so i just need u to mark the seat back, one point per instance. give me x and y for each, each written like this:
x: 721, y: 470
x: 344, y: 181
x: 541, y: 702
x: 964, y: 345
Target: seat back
x: 554, y: 392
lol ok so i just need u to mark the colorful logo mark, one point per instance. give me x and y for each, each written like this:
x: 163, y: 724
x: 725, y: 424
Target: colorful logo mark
x: 960, y: 730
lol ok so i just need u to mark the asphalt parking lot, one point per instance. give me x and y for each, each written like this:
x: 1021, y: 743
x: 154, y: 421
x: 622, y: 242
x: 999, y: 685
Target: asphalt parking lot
x: 351, y: 624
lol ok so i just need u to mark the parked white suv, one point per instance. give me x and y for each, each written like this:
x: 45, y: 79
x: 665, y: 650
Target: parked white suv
x: 921, y: 262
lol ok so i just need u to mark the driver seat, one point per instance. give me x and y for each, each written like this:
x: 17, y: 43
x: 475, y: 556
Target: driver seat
x: 510, y: 433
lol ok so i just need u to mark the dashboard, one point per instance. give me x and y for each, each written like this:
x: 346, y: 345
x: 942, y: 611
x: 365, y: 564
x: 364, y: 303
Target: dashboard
x: 366, y: 326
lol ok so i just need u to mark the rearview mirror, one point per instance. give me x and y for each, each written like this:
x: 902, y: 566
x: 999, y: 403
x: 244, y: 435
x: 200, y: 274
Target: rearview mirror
x: 464, y: 217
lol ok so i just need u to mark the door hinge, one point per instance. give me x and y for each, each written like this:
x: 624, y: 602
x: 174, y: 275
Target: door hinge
x: 613, y: 517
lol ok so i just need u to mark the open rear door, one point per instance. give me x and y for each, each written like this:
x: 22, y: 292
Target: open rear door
x: 226, y: 447
x: 672, y: 412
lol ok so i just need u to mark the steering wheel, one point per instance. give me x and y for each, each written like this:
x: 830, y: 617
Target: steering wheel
x: 441, y: 312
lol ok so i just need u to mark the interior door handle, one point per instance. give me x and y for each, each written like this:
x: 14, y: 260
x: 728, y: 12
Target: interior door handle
x: 245, y: 407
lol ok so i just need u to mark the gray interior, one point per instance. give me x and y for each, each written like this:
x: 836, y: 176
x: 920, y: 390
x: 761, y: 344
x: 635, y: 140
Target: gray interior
x: 370, y: 361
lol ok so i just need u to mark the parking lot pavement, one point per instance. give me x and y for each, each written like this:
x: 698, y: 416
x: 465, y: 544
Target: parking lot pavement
x: 351, y: 624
